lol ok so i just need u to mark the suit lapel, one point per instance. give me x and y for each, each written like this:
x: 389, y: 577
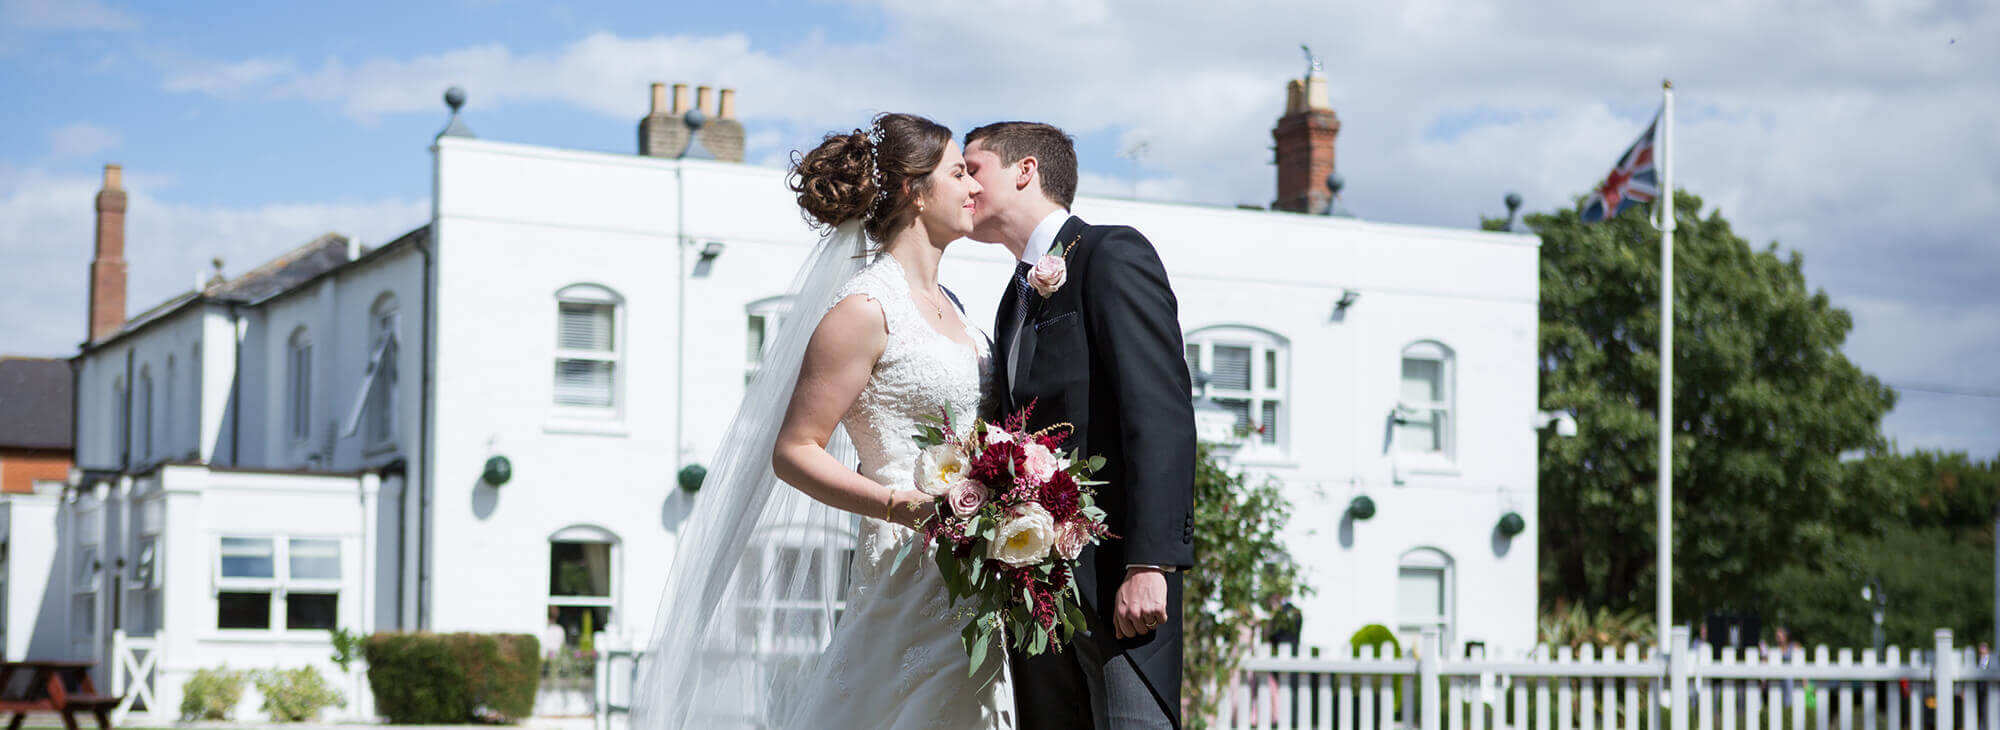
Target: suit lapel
x: 1037, y: 306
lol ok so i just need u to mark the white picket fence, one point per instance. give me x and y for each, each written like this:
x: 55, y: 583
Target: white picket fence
x: 1939, y: 688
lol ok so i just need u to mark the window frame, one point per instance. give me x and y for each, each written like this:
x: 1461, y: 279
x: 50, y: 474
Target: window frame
x: 583, y: 534
x: 832, y: 550
x: 1429, y: 560
x: 769, y: 313
x: 1267, y: 349
x: 278, y: 588
x: 600, y: 295
x: 1443, y: 411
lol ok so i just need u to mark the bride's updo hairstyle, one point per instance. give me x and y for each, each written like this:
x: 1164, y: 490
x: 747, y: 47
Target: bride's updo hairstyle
x: 873, y: 175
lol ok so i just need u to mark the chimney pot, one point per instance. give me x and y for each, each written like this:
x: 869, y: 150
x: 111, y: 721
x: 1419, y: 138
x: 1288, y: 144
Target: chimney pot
x: 107, y: 266
x: 701, y: 97
x: 659, y: 99
x: 680, y: 100
x: 726, y: 104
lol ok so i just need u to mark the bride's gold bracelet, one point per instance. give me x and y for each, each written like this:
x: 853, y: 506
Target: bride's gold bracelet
x: 889, y: 512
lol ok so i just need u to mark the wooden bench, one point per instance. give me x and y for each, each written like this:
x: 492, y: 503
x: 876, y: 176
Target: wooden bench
x: 54, y: 685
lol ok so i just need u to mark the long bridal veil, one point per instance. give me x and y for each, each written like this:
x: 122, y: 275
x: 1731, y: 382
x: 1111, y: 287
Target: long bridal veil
x: 761, y: 570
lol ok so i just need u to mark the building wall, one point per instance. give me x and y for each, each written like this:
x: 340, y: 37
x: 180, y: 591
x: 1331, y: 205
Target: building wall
x: 519, y: 223
x: 36, y: 605
x: 20, y: 469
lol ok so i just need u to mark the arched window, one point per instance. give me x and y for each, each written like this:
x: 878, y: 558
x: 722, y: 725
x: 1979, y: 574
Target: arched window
x: 763, y: 317
x: 298, y: 384
x: 121, y: 422
x: 583, y: 573
x: 588, y: 345
x: 788, y: 577
x: 1248, y: 373
x: 1424, y: 423
x: 1424, y: 595
x: 385, y: 338
x: 168, y: 407
x: 142, y: 435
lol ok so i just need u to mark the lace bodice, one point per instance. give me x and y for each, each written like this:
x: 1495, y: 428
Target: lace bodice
x: 921, y: 371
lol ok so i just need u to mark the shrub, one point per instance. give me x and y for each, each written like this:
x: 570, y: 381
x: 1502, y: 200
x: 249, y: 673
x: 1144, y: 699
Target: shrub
x: 423, y: 678
x: 296, y: 695
x: 211, y: 694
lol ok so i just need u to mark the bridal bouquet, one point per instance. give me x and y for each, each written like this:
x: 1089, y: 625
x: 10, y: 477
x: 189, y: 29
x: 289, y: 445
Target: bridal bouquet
x: 1016, y: 512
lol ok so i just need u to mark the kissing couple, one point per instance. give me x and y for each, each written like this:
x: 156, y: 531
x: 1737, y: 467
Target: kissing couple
x: 755, y: 632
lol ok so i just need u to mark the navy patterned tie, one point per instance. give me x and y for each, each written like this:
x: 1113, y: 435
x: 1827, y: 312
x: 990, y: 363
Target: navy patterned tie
x: 1020, y: 314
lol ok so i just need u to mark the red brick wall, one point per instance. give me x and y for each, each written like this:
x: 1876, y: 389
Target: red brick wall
x: 20, y: 469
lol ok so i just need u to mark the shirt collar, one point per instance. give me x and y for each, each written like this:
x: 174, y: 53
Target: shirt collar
x: 1044, y: 236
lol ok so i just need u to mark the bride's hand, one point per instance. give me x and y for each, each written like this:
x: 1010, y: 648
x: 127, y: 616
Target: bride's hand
x: 909, y: 507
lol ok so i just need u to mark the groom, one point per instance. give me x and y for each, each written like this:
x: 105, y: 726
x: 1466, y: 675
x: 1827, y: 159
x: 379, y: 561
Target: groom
x: 1098, y: 347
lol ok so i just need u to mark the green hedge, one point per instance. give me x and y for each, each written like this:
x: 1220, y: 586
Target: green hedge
x: 432, y: 679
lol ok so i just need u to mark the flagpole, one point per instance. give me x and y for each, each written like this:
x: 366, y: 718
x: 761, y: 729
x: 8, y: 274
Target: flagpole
x: 1665, y: 609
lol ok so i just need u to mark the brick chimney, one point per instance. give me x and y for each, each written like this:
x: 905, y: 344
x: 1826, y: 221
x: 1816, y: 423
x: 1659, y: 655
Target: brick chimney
x: 724, y: 134
x: 664, y: 131
x: 1305, y: 137
x: 107, y: 268
x: 661, y: 131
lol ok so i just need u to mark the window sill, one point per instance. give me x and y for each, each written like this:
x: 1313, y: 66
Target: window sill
x: 573, y: 427
x: 1264, y: 461
x: 1432, y: 467
x: 288, y: 637
x: 381, y: 449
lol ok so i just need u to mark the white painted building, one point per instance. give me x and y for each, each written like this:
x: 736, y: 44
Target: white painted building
x: 313, y: 444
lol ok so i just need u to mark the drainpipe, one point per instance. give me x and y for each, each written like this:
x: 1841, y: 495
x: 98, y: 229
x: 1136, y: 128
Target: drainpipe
x: 424, y: 437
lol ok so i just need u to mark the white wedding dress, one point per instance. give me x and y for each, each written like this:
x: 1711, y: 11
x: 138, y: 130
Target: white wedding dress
x: 896, y: 661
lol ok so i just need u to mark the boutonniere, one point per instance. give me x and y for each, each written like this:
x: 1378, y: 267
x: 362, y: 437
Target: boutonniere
x: 1052, y: 270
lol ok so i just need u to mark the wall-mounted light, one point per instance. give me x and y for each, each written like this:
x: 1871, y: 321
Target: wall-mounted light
x: 1564, y: 422
x: 711, y: 250
x: 1347, y: 299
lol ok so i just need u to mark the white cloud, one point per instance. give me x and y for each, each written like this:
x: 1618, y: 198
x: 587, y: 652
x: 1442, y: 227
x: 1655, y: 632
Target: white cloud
x: 81, y: 141
x: 53, y: 15
x: 47, y: 225
x: 1858, y: 133
x: 225, y: 79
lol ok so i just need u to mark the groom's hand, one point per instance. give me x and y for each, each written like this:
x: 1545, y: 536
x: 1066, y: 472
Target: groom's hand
x: 1142, y: 602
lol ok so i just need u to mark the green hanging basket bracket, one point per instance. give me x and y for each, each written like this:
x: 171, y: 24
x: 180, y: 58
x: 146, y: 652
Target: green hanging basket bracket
x: 691, y: 477
x: 498, y: 471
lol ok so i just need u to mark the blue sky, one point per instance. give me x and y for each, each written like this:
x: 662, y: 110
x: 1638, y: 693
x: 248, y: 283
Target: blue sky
x: 1858, y: 133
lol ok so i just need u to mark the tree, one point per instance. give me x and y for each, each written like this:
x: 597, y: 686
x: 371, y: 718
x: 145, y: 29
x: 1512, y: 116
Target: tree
x: 1765, y: 404
x: 1242, y: 574
x: 1933, y: 553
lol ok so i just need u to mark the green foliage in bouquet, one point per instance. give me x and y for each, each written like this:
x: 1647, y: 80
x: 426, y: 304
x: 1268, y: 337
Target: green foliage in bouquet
x: 1242, y: 575
x: 982, y: 587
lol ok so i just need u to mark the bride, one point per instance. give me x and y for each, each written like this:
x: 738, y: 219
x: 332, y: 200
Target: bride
x: 749, y: 634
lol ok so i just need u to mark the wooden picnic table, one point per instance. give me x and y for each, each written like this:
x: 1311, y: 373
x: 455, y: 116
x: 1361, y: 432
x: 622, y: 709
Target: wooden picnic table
x: 61, y: 686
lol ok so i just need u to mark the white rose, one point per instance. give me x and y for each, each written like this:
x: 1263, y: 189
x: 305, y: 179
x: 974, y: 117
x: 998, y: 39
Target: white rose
x: 939, y: 467
x: 1025, y: 538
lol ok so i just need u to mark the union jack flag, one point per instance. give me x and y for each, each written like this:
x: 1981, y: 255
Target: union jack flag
x: 1633, y: 181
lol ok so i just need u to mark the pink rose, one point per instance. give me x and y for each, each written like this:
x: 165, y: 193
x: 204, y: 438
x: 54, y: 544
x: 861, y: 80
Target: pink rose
x: 1071, y: 539
x: 1041, y: 462
x: 966, y: 498
x: 1049, y: 274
